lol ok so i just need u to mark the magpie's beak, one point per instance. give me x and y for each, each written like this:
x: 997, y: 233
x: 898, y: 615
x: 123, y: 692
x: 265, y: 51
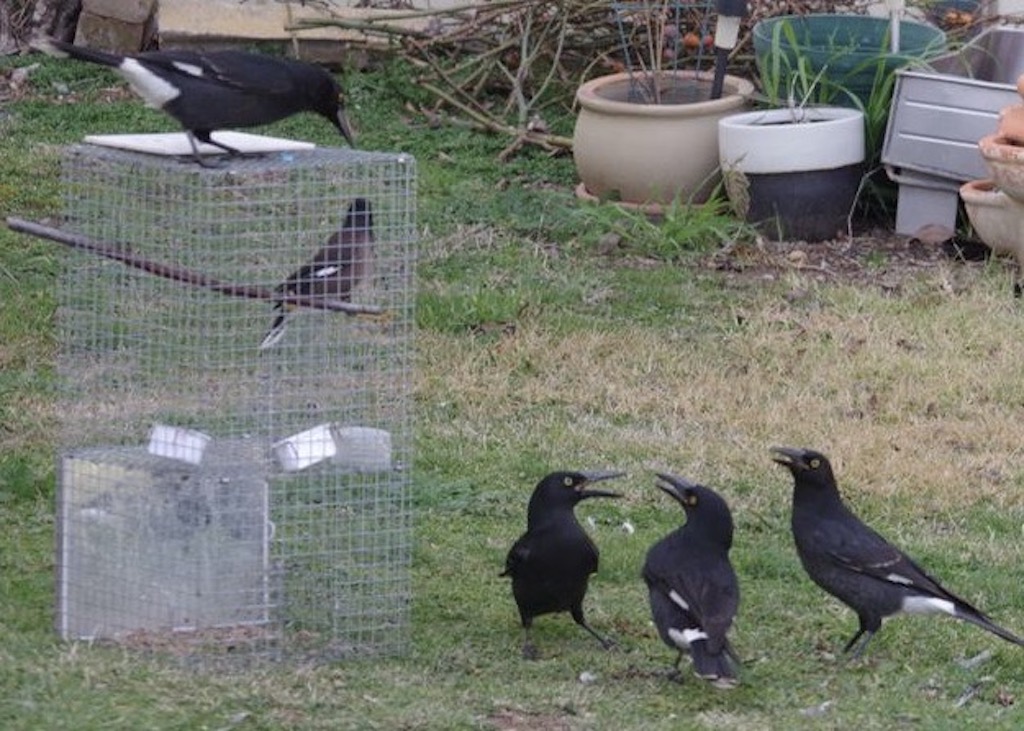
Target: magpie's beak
x: 674, y: 486
x: 582, y: 493
x: 341, y: 122
x: 790, y: 457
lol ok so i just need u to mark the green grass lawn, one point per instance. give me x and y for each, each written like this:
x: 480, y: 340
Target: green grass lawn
x: 535, y: 352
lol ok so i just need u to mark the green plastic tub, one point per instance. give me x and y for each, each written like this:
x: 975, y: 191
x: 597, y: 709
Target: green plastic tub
x: 852, y: 48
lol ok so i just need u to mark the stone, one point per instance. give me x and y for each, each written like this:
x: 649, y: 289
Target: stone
x: 111, y: 34
x: 129, y: 11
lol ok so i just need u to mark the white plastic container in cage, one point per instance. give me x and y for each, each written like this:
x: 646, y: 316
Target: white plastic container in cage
x: 150, y: 546
x: 363, y: 449
x: 306, y: 448
x: 353, y: 448
x: 175, y: 442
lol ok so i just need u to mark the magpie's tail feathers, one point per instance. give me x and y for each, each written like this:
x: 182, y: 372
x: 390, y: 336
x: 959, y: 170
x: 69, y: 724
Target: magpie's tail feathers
x: 718, y: 668
x: 61, y: 49
x: 979, y: 619
x: 276, y: 331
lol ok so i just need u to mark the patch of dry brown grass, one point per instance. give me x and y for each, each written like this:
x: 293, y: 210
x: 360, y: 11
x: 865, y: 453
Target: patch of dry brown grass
x: 918, y: 395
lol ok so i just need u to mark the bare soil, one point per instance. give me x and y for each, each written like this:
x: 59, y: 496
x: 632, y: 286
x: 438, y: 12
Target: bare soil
x: 876, y: 257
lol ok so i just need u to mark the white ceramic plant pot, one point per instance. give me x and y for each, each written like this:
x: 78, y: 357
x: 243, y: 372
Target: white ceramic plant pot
x: 794, y: 173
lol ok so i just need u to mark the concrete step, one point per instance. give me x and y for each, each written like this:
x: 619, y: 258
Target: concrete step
x: 213, y: 24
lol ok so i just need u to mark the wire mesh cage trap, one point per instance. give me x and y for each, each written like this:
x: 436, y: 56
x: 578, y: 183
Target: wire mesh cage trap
x: 235, y: 348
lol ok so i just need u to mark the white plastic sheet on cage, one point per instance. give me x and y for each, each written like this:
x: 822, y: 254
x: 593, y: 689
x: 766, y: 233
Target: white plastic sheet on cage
x: 177, y: 143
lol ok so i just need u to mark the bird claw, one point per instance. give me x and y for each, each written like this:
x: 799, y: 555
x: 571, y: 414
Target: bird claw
x: 530, y: 652
x: 202, y: 161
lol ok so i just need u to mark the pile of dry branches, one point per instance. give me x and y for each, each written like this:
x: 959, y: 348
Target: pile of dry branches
x: 498, y: 65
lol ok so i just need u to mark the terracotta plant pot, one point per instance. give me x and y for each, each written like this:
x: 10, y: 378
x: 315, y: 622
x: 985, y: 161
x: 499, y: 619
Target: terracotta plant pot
x: 1011, y: 124
x: 998, y: 220
x: 1005, y: 162
x: 794, y: 173
x: 652, y: 153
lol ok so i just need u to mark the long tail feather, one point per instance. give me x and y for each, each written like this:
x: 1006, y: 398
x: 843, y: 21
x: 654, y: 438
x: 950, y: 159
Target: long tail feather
x: 987, y: 624
x: 718, y: 668
x: 276, y: 331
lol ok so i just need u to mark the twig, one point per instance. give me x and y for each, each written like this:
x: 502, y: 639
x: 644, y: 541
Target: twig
x: 488, y: 124
x: 179, y: 274
x: 367, y: 26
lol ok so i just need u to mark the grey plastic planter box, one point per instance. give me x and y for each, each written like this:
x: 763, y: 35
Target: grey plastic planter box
x: 938, y: 116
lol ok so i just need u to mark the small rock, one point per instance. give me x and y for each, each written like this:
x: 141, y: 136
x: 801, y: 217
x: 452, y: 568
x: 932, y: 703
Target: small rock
x: 969, y: 663
x: 609, y: 243
x: 819, y: 710
x: 20, y: 75
x: 932, y: 233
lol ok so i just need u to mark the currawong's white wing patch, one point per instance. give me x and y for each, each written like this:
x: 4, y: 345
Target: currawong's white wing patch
x: 684, y: 638
x: 928, y: 605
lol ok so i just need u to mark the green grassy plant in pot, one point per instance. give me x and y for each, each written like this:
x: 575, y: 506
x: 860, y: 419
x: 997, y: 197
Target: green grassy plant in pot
x: 855, y: 58
x: 648, y: 136
x: 855, y: 49
x: 797, y: 169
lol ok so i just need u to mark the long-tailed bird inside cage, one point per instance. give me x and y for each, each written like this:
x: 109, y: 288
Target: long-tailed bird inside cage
x: 334, y: 272
x: 693, y: 589
x: 855, y: 564
x: 206, y: 92
x: 550, y: 565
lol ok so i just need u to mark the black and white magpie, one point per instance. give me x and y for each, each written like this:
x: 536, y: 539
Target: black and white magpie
x: 855, y: 564
x: 221, y: 89
x: 344, y: 262
x: 550, y: 565
x: 693, y: 589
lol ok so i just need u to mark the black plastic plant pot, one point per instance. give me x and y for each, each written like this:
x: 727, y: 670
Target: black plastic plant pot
x: 810, y: 205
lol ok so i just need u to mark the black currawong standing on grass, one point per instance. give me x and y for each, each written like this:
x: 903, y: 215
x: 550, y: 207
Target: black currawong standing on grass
x: 855, y: 564
x: 693, y: 589
x: 551, y: 563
